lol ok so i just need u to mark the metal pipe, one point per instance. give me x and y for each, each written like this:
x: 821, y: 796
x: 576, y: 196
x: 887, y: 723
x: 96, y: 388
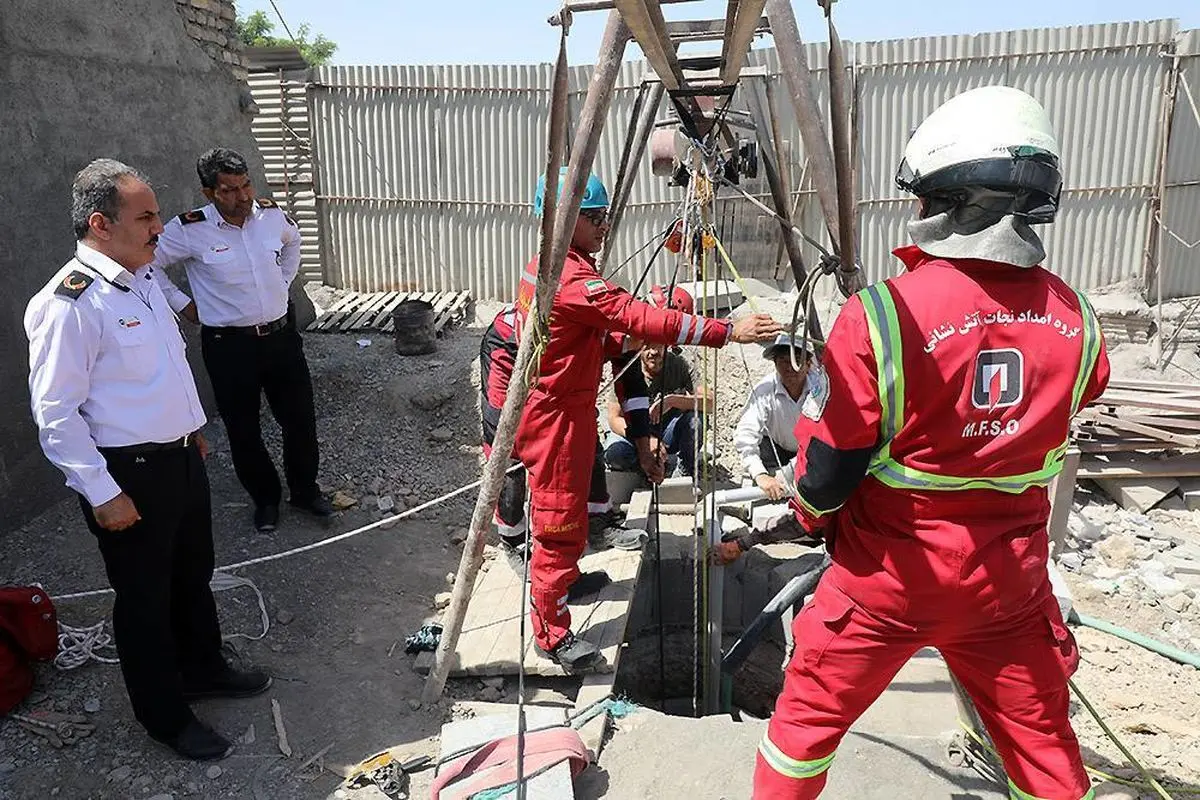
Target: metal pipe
x: 769, y: 153
x: 552, y: 257
x: 794, y: 65
x: 839, y: 115
x: 635, y: 142
x: 606, y: 5
x: 1154, y: 235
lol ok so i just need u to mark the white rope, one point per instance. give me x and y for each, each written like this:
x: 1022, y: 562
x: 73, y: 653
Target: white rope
x: 78, y: 646
x: 222, y: 582
x: 348, y: 534
x: 1173, y: 234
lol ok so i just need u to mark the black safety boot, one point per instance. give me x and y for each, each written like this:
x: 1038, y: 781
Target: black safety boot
x: 572, y: 653
x: 608, y: 530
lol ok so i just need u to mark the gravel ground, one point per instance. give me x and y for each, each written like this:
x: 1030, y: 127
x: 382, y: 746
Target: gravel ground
x: 389, y: 426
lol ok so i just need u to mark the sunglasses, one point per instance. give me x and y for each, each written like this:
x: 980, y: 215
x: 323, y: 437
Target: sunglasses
x: 596, y: 216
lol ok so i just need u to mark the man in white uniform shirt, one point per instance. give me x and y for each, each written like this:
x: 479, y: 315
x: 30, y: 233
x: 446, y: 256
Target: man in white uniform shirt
x: 241, y: 256
x: 117, y: 412
x: 765, y: 436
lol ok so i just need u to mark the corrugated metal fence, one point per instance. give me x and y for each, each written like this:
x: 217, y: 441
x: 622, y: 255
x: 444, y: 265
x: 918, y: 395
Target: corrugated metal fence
x: 424, y: 173
x: 283, y: 134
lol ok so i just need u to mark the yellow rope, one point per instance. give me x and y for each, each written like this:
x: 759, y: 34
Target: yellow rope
x: 737, y: 276
x: 1098, y: 773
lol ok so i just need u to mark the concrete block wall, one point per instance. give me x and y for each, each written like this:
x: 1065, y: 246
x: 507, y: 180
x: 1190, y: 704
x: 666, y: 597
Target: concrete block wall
x: 210, y: 23
x: 135, y: 80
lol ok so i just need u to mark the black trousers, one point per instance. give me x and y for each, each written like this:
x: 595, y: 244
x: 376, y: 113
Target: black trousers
x: 164, y: 617
x: 243, y: 368
x: 767, y: 450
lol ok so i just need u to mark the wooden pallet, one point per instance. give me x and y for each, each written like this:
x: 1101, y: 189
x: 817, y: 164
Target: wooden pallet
x: 367, y: 311
x: 490, y: 643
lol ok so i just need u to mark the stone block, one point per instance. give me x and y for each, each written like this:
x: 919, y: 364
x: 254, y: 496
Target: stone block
x: 676, y: 491
x: 1141, y: 494
x: 623, y: 485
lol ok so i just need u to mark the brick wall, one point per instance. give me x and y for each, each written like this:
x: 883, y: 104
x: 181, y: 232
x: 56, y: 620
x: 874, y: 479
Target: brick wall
x: 211, y: 24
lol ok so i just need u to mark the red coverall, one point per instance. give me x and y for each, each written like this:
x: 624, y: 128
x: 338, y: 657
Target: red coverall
x: 943, y: 543
x: 556, y: 440
x: 497, y: 354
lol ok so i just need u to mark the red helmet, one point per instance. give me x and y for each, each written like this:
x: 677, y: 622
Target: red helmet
x: 681, y: 300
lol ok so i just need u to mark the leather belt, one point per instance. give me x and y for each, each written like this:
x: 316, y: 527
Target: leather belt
x: 149, y: 447
x: 264, y: 329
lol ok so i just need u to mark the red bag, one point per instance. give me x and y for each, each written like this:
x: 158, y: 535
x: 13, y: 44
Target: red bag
x: 28, y: 632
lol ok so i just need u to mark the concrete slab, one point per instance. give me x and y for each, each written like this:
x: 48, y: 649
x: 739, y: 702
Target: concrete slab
x: 713, y: 296
x: 1141, y: 494
x: 652, y: 755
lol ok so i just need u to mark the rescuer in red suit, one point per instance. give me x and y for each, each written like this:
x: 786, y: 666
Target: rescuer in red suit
x: 942, y: 415
x: 556, y: 440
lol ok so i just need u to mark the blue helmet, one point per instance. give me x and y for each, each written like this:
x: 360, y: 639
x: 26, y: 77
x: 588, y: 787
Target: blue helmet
x: 594, y: 196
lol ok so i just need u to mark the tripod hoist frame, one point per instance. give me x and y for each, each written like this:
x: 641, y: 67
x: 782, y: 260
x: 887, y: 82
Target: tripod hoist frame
x: 684, y: 81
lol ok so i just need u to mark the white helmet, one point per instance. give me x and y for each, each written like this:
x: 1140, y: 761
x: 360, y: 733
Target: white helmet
x: 997, y: 138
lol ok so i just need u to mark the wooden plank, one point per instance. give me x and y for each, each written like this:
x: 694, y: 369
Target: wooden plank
x: 1153, y: 386
x: 1149, y: 401
x: 442, y: 303
x: 460, y: 303
x: 1180, y: 467
x: 384, y: 313
x: 1141, y: 494
x: 373, y: 301
x: 1126, y: 424
x: 490, y: 637
x: 328, y: 320
x: 1062, y: 493
x: 1136, y: 445
x: 595, y: 688
x: 331, y: 321
x: 365, y: 313
x: 338, y: 305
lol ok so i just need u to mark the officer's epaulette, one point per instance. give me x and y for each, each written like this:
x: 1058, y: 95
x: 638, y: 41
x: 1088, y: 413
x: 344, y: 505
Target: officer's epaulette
x: 74, y: 285
x: 266, y: 202
x: 188, y: 217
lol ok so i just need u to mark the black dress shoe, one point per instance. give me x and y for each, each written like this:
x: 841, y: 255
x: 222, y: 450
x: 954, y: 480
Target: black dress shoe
x: 319, y: 506
x: 266, y: 518
x: 228, y: 683
x: 198, y: 742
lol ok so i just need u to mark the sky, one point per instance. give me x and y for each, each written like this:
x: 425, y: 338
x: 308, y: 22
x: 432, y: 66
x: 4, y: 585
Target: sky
x: 515, y: 31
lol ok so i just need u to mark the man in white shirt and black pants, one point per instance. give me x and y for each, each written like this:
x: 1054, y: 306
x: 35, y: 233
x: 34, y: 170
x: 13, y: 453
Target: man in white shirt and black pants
x: 117, y: 412
x: 241, y: 256
x: 765, y: 435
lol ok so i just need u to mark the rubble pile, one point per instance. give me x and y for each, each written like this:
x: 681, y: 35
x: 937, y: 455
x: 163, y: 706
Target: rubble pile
x: 1151, y: 558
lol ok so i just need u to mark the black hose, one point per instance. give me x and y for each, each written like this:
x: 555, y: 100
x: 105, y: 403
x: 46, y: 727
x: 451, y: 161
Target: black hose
x: 796, y: 589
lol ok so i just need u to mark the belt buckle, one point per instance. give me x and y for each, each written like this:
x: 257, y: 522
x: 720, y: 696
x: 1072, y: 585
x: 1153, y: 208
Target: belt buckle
x: 258, y: 330
x: 187, y: 439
